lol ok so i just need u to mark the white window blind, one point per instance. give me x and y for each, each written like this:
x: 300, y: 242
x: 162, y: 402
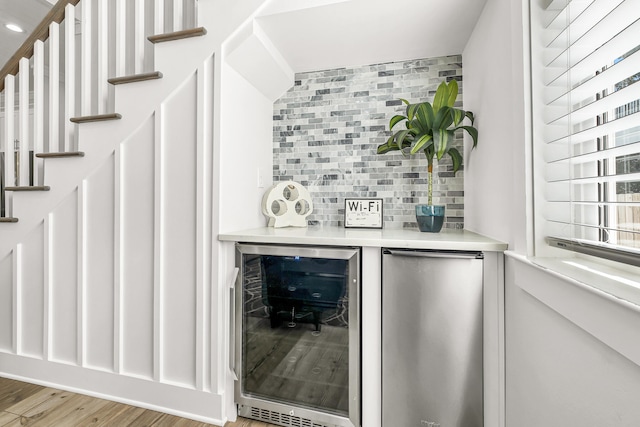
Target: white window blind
x: 589, y: 131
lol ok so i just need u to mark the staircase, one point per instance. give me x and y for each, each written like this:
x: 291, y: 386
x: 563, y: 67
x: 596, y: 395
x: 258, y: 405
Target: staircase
x: 110, y: 37
x: 112, y: 161
x: 106, y: 205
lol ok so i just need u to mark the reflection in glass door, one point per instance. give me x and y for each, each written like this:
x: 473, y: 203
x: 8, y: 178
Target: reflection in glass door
x: 298, y: 334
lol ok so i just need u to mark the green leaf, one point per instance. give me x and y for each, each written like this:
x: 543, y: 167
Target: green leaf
x: 416, y: 126
x: 395, y: 120
x: 387, y: 146
x: 442, y: 138
x: 411, y: 111
x: 422, y: 143
x: 401, y: 141
x: 443, y: 119
x: 382, y: 149
x: 425, y: 116
x: 453, y: 93
x: 405, y: 101
x: 473, y: 132
x: 456, y: 158
x: 441, y: 96
x: 458, y: 116
x: 470, y: 116
x: 414, y: 131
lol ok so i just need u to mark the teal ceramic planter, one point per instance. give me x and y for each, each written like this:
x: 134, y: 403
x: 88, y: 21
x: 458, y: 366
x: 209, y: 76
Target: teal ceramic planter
x: 430, y: 218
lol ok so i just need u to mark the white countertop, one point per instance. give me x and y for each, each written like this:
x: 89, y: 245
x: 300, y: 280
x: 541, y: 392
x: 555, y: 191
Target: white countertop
x: 391, y: 238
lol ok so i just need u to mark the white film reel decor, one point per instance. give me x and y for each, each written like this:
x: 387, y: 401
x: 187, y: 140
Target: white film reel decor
x: 287, y: 204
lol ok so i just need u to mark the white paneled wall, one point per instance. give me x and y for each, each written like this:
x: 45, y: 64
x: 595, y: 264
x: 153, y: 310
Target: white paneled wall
x: 111, y: 280
x: 136, y: 236
x: 30, y: 295
x: 6, y: 303
x: 108, y: 282
x: 97, y: 257
x: 64, y: 294
x: 177, y: 266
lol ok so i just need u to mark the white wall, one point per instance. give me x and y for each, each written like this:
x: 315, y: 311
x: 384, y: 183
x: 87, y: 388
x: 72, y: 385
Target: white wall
x: 496, y: 170
x: 104, y: 280
x: 103, y: 327
x: 108, y: 281
x: 572, y: 354
x: 247, y: 149
x: 245, y: 165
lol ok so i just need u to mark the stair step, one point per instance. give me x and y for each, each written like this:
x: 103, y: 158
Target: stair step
x: 135, y: 78
x: 63, y: 154
x: 193, y: 32
x: 29, y: 188
x: 96, y: 118
x: 8, y: 219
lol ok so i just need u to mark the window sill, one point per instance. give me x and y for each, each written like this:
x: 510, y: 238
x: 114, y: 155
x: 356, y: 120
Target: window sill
x: 614, y: 281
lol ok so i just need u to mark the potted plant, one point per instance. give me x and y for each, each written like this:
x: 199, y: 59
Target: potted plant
x: 430, y: 128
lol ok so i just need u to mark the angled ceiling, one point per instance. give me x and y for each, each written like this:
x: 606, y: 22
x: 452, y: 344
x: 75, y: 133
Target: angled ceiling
x: 322, y: 34
x: 339, y: 33
x: 25, y: 13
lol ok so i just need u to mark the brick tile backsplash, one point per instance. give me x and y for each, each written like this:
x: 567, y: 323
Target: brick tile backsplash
x: 327, y: 127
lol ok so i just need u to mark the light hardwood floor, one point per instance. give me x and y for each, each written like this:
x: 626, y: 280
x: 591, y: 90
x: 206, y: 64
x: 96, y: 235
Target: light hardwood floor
x: 23, y: 404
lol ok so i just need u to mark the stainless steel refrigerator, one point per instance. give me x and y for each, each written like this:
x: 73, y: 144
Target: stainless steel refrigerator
x: 432, y: 338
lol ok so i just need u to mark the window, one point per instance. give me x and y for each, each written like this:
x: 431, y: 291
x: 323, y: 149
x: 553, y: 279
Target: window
x: 586, y: 94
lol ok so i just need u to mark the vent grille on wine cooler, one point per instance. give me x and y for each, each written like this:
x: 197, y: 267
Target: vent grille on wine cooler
x: 278, y: 418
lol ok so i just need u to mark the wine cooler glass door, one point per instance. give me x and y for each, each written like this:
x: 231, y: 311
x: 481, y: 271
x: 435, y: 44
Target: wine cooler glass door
x: 297, y: 343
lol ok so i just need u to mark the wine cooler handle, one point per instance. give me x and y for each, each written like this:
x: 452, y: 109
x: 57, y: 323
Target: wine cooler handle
x: 233, y: 287
x: 234, y: 278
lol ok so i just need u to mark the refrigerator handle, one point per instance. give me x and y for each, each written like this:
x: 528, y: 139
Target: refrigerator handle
x: 434, y: 254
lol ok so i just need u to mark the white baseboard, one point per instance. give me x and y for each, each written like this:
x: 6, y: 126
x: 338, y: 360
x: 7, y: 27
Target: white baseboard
x: 184, y: 402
